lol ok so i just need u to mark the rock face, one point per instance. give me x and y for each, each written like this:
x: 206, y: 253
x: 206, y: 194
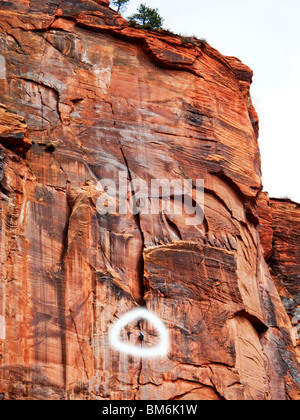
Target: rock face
x: 100, y: 97
x: 280, y: 234
x: 13, y: 131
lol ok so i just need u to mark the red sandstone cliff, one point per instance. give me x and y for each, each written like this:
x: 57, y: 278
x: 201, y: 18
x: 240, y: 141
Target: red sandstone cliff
x: 91, y: 96
x: 279, y: 230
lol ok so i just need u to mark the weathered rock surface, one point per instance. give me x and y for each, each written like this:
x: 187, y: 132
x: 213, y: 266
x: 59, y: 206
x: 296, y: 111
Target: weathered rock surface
x: 100, y: 97
x: 280, y: 233
x: 13, y: 131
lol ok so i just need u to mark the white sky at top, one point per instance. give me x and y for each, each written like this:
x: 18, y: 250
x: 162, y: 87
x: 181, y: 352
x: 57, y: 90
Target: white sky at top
x: 265, y: 35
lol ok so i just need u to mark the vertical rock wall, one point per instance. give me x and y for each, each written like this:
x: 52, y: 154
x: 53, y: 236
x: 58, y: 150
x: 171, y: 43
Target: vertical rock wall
x: 96, y: 97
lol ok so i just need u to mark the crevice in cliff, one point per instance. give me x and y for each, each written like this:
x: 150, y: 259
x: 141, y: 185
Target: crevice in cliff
x: 61, y: 297
x: 79, y: 344
x: 66, y: 229
x: 19, y: 45
x: 139, y: 376
x: 232, y: 184
x: 198, y: 386
x: 42, y: 106
x: 184, y: 394
x: 249, y: 201
x: 171, y: 226
x: 137, y: 218
x: 68, y: 182
x: 215, y: 388
x: 258, y: 325
x: 221, y: 201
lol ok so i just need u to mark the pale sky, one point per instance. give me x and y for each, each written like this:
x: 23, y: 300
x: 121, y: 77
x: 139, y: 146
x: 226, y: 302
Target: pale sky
x: 265, y: 35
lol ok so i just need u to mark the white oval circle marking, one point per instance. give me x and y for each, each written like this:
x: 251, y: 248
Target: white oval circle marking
x: 160, y: 350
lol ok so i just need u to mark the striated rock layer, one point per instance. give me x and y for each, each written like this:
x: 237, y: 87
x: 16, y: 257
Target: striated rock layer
x: 96, y: 97
x: 279, y: 230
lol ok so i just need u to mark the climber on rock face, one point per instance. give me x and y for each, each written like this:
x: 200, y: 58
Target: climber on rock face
x: 141, y: 336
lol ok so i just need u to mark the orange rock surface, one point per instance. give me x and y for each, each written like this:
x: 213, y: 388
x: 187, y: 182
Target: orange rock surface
x: 13, y: 131
x: 282, y: 216
x: 99, y: 97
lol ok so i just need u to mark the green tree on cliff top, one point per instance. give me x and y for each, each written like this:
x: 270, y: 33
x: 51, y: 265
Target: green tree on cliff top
x: 121, y: 5
x: 147, y: 17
